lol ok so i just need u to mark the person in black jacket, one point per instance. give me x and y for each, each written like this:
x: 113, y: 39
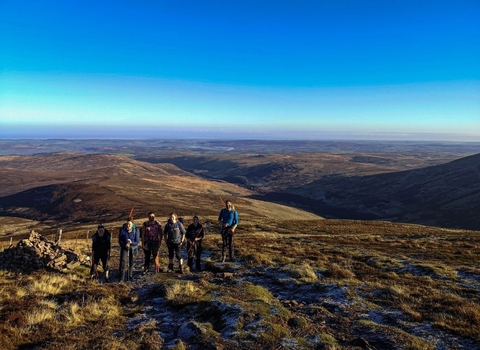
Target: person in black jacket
x: 194, y: 235
x: 101, y: 245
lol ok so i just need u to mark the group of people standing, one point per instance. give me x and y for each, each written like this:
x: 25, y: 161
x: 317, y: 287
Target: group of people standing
x: 149, y: 237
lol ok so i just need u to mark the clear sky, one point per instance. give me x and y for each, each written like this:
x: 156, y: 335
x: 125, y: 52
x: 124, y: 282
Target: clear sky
x: 334, y: 69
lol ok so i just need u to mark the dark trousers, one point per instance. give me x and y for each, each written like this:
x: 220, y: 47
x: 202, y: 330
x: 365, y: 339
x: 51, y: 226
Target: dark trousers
x: 125, y: 259
x: 174, y: 250
x: 194, y: 253
x: 227, y: 242
x: 150, y: 250
x: 96, y: 259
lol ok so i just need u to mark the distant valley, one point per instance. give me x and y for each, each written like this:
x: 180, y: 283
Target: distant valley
x: 87, y: 181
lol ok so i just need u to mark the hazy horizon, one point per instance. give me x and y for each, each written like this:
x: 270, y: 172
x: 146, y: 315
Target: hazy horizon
x: 140, y: 134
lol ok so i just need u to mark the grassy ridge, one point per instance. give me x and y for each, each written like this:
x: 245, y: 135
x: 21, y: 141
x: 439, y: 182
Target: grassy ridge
x: 307, y: 283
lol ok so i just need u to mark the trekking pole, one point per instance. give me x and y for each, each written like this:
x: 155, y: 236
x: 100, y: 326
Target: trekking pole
x: 128, y: 263
x: 194, y: 242
x: 92, y: 268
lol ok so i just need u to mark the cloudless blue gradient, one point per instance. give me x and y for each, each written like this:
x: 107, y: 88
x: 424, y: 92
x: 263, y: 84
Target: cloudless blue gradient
x: 241, y: 69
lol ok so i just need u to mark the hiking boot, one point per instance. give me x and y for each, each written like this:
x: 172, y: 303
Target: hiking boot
x: 145, y: 272
x: 170, y: 268
x: 180, y: 268
x: 107, y: 279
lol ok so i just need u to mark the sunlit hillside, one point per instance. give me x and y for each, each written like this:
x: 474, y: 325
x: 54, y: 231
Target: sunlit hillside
x: 303, y: 284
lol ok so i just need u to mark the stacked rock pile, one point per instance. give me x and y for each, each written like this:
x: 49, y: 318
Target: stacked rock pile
x: 36, y: 252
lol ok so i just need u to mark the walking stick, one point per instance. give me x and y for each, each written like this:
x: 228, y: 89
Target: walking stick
x: 194, y: 242
x: 157, y: 261
x: 128, y: 263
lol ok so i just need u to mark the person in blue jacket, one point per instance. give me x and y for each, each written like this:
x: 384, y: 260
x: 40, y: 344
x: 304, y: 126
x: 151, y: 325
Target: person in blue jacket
x: 228, y: 219
x: 128, y: 239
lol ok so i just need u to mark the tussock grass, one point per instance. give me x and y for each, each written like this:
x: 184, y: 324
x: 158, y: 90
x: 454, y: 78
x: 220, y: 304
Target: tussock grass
x: 183, y: 292
x: 255, y: 292
x: 47, y: 306
x: 338, y: 271
x: 396, y: 336
x: 39, y: 315
x: 258, y: 259
x: 50, y: 284
x: 303, y: 272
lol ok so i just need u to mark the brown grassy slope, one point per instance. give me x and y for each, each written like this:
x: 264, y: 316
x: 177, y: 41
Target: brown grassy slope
x: 353, y: 284
x: 388, y: 186
x: 80, y: 189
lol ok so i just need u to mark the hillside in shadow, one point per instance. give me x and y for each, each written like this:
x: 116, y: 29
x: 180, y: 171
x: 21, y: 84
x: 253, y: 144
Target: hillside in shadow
x: 446, y: 195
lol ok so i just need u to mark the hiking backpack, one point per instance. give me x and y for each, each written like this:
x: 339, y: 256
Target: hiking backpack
x: 174, y: 233
x: 152, y: 232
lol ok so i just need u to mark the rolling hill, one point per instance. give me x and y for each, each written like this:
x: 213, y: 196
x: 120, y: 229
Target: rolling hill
x: 87, y: 187
x: 77, y: 188
x: 354, y: 186
x: 446, y: 195
x: 297, y: 281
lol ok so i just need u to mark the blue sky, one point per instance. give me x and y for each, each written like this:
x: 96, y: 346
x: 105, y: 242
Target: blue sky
x: 394, y: 70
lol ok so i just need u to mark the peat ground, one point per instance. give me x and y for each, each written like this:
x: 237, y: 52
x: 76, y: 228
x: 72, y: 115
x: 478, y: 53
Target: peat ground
x: 294, y: 284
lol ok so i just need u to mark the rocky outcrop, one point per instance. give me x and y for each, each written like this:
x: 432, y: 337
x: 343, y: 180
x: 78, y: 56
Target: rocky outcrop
x: 37, y: 252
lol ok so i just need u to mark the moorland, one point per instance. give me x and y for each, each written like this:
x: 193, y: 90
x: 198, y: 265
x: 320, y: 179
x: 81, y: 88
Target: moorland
x: 342, y: 245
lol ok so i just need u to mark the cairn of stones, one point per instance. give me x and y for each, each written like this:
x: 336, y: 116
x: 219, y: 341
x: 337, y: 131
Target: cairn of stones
x: 37, y: 252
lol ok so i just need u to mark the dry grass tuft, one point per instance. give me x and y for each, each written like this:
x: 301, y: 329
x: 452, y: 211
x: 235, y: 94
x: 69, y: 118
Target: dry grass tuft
x: 257, y: 259
x: 339, y: 272
x: 303, y: 272
x: 293, y: 281
x: 182, y: 293
x: 51, y: 284
x: 39, y: 315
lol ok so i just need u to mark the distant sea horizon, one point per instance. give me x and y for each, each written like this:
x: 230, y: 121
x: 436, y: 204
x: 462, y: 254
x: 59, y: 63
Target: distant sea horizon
x: 172, y: 133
